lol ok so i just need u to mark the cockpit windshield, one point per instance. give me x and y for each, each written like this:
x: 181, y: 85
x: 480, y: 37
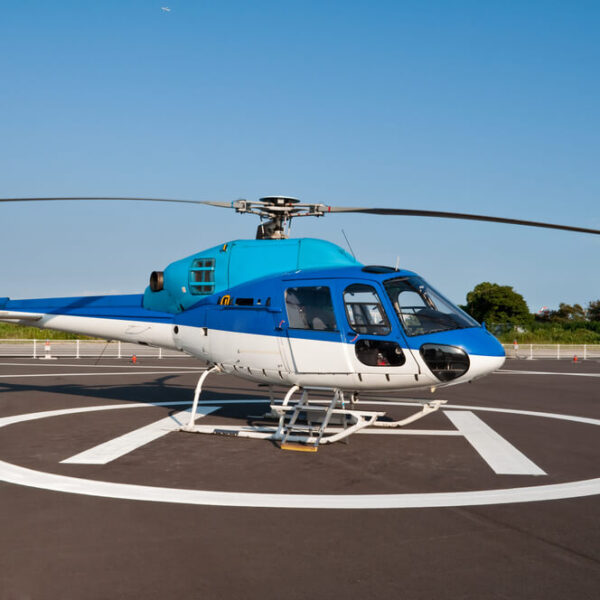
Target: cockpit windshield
x: 422, y: 310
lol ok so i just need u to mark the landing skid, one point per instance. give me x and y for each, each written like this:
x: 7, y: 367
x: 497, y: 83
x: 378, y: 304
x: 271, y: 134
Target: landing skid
x: 305, y: 425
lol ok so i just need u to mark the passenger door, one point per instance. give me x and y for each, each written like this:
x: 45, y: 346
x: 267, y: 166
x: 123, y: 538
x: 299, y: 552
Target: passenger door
x: 374, y: 342
x: 315, y: 339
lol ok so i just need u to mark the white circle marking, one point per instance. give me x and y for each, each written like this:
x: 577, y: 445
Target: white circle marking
x: 60, y: 483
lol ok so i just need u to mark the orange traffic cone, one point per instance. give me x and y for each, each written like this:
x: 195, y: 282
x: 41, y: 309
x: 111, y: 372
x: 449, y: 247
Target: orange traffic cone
x: 134, y: 360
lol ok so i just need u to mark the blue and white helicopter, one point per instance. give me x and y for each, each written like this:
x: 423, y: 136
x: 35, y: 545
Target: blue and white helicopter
x: 296, y: 312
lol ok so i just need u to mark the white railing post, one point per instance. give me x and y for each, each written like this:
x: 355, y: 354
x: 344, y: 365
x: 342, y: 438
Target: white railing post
x: 558, y: 351
x: 29, y: 347
x: 584, y: 351
x: 531, y: 351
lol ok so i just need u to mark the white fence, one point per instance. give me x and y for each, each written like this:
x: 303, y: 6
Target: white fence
x: 97, y: 348
x: 81, y: 349
x: 558, y: 351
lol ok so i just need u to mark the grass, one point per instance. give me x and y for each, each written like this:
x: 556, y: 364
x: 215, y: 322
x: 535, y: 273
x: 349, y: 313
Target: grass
x: 13, y: 332
x: 554, y: 333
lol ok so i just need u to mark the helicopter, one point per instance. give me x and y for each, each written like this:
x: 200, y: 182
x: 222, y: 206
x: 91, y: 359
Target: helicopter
x: 296, y: 312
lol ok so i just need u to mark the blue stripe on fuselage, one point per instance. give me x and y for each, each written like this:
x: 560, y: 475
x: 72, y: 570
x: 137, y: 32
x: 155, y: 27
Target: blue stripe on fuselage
x: 262, y: 321
x: 272, y: 320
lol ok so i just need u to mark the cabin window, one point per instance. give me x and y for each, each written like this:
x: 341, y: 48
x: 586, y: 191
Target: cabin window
x: 364, y: 310
x: 310, y: 308
x: 202, y: 276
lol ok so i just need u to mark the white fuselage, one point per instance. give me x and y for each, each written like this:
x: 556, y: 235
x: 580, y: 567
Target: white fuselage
x: 269, y: 358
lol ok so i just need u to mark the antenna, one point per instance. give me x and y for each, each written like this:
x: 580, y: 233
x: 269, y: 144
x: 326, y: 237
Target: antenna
x: 349, y: 246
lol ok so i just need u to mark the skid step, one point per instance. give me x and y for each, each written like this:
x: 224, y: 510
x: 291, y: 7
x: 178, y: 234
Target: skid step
x: 298, y: 447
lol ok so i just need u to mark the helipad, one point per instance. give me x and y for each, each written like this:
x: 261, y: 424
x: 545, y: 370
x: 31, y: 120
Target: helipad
x: 506, y: 478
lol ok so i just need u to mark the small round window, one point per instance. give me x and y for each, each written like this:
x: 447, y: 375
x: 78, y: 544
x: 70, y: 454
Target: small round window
x: 379, y: 353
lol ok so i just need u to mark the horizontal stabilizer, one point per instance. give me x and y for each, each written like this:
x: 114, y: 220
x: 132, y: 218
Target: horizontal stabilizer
x: 9, y: 315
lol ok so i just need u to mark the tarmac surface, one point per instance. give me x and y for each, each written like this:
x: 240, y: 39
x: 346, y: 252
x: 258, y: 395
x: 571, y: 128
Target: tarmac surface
x: 59, y: 544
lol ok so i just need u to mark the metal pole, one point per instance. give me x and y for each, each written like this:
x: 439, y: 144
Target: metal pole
x: 119, y: 349
x: 160, y: 353
x: 531, y: 351
x: 34, y: 348
x: 584, y: 351
x: 77, y: 349
x: 557, y: 351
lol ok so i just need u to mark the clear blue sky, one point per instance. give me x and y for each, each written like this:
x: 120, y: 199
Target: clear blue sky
x: 469, y: 106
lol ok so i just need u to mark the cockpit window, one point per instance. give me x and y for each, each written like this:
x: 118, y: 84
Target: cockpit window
x: 364, y: 310
x: 423, y: 310
x: 310, y: 308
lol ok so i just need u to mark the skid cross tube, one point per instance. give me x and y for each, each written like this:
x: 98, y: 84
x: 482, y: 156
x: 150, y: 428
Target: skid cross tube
x: 427, y: 409
x: 318, y: 413
x: 197, y: 392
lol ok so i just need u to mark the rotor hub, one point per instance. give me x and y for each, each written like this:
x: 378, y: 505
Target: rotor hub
x: 279, y: 200
x: 278, y: 211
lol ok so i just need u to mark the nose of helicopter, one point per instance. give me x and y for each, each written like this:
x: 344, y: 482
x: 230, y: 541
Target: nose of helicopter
x: 486, y: 353
x: 487, y: 357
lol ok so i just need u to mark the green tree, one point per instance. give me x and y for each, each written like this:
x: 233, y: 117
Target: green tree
x: 593, y: 310
x: 495, y: 303
x: 566, y: 312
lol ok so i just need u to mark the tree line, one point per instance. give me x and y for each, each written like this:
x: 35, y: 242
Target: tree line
x: 507, y: 315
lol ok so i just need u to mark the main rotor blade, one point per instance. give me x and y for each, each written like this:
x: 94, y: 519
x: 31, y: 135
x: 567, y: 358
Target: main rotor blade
x: 334, y: 209
x: 220, y: 204
x: 453, y: 215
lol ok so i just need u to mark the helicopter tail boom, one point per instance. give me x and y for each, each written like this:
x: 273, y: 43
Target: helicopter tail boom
x: 110, y: 317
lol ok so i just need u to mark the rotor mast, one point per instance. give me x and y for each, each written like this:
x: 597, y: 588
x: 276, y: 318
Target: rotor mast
x: 278, y: 212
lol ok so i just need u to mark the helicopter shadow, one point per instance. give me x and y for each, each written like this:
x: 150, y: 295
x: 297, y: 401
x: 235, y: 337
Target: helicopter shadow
x: 155, y: 391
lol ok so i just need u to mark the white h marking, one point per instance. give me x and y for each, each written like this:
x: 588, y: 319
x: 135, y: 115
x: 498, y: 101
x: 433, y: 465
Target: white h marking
x: 109, y: 451
x: 500, y: 454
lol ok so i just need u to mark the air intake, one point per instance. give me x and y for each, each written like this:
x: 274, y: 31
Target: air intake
x: 157, y: 281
